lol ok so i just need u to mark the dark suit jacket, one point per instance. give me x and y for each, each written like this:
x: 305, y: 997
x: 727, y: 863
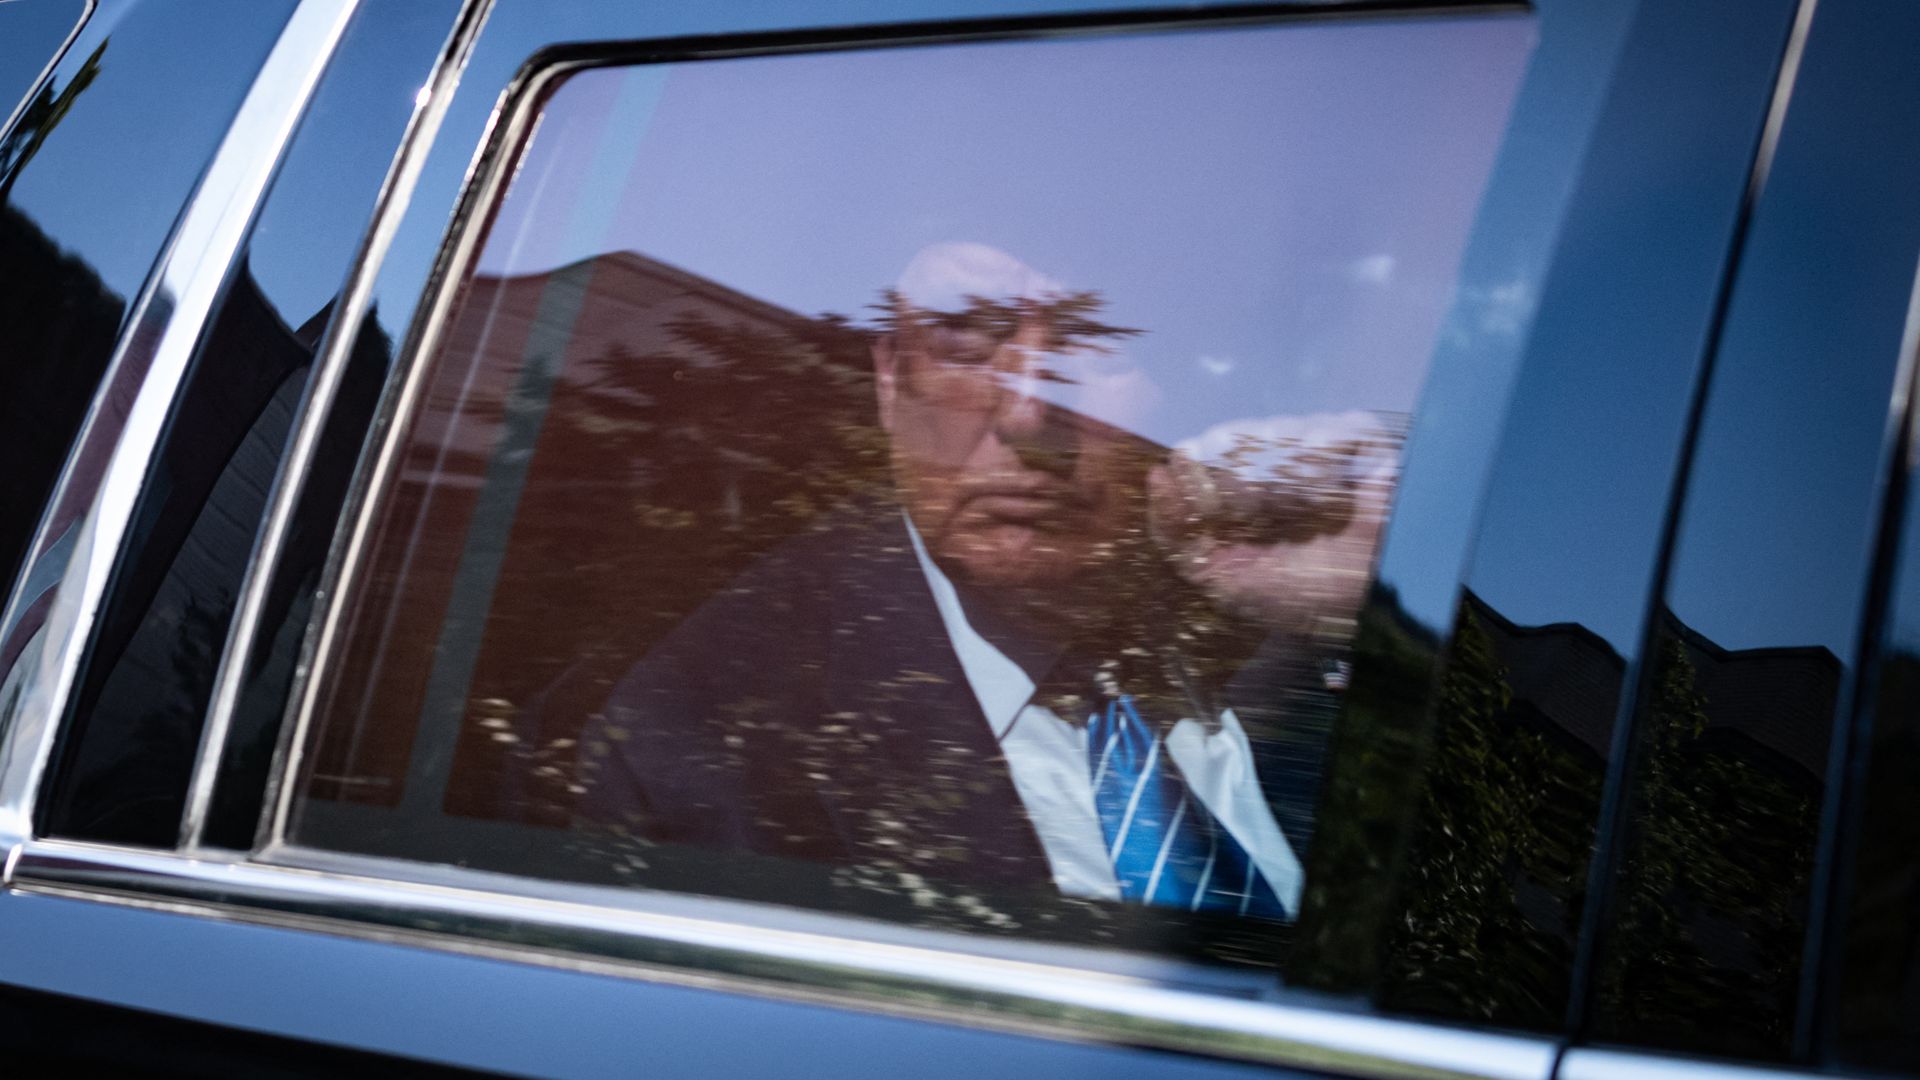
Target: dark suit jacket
x: 817, y: 710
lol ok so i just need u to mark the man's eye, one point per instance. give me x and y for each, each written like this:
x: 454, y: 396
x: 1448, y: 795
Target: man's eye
x: 967, y: 357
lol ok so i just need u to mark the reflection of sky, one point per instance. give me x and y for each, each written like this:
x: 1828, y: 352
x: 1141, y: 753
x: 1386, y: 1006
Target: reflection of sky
x: 324, y: 191
x: 1781, y: 515
x: 155, y: 76
x: 1280, y: 264
x: 30, y: 31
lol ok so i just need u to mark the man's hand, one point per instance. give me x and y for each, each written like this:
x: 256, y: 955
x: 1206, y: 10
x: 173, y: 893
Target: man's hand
x: 1283, y: 528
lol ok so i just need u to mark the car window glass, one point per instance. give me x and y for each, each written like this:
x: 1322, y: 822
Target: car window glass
x: 122, y: 770
x: 31, y: 34
x: 1753, y: 654
x: 79, y: 231
x: 939, y: 482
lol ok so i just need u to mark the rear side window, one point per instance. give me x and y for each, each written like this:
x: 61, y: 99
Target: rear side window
x: 32, y: 33
x: 935, y: 482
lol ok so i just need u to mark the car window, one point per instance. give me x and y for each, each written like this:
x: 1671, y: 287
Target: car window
x: 79, y: 232
x: 1714, y: 925
x: 121, y: 773
x: 1040, y: 477
x: 32, y: 33
x: 1867, y: 987
x: 936, y: 480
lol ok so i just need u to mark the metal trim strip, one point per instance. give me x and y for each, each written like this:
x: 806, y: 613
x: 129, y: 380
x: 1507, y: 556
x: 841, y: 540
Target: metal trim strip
x: 1591, y: 1064
x: 312, y: 411
x: 619, y: 931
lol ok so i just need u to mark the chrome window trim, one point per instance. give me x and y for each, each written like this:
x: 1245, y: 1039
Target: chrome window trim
x: 574, y: 927
x: 20, y: 107
x: 329, y: 366
x: 515, y: 111
x: 159, y: 342
x: 1586, y: 1063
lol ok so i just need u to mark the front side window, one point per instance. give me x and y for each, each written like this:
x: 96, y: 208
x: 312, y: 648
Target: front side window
x: 938, y: 483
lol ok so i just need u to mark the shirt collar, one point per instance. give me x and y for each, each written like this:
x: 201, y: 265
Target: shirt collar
x: 999, y: 684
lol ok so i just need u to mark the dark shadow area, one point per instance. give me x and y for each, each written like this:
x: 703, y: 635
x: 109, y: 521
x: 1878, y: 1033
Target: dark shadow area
x: 51, y: 1035
x: 122, y: 771
x: 59, y: 323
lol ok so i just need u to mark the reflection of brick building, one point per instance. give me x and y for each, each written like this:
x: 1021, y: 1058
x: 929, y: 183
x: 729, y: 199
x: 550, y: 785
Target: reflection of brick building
x: 1567, y: 678
x: 595, y: 448
x: 1782, y: 699
x: 1727, y: 770
x: 620, y: 301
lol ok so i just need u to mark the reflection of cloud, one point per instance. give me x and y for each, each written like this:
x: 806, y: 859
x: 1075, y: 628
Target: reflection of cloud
x: 1257, y: 443
x: 1371, y: 269
x: 943, y: 276
x: 1504, y: 308
x: 1215, y: 365
x: 1109, y: 387
x: 1491, y: 311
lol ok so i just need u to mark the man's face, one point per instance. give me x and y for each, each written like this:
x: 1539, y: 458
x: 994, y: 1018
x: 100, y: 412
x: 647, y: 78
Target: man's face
x: 1005, y: 489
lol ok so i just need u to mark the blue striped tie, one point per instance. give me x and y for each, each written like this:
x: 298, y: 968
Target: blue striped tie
x: 1167, y: 850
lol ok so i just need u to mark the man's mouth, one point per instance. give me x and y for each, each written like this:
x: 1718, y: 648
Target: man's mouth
x: 1025, y: 504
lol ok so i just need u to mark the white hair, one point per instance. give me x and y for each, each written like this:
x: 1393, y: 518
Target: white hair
x: 942, y: 277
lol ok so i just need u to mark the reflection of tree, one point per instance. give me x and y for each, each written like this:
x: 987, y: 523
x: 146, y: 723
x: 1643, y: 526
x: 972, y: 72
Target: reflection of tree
x: 1069, y: 320
x: 1457, y: 878
x: 707, y: 452
x: 1373, y: 761
x: 1705, y: 946
x: 1486, y: 836
x: 41, y: 116
x: 662, y: 472
x: 713, y: 449
x: 1507, y: 812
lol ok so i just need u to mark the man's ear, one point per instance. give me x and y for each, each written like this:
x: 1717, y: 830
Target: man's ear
x: 886, y: 377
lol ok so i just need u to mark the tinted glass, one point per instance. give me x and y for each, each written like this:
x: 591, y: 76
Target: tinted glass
x: 1871, y: 975
x: 123, y: 768
x: 1476, y: 754
x: 31, y: 33
x: 931, y: 481
x: 79, y: 231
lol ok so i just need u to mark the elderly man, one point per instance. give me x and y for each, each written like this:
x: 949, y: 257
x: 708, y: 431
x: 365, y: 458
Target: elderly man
x: 1058, y: 655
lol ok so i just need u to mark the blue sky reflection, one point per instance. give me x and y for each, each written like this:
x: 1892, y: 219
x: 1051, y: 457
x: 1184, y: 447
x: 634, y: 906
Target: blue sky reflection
x: 1278, y: 264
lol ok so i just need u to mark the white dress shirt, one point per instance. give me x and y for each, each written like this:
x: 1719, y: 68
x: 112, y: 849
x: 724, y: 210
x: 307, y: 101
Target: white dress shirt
x: 1048, y: 758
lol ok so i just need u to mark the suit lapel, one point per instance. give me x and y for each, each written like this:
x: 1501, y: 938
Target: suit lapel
x: 925, y: 789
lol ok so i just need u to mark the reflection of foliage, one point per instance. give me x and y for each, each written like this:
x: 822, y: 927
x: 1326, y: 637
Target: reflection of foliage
x: 713, y: 451
x: 1069, y: 319
x: 1288, y: 488
x: 1488, y: 838
x: 1373, y: 760
x: 1449, y: 871
x: 41, y: 116
x: 1704, y: 950
x: 1498, y: 863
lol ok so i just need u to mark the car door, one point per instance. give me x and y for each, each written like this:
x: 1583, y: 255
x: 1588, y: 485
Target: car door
x: 481, y: 311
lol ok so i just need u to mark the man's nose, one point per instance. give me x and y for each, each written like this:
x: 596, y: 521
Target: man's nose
x: 1037, y: 431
